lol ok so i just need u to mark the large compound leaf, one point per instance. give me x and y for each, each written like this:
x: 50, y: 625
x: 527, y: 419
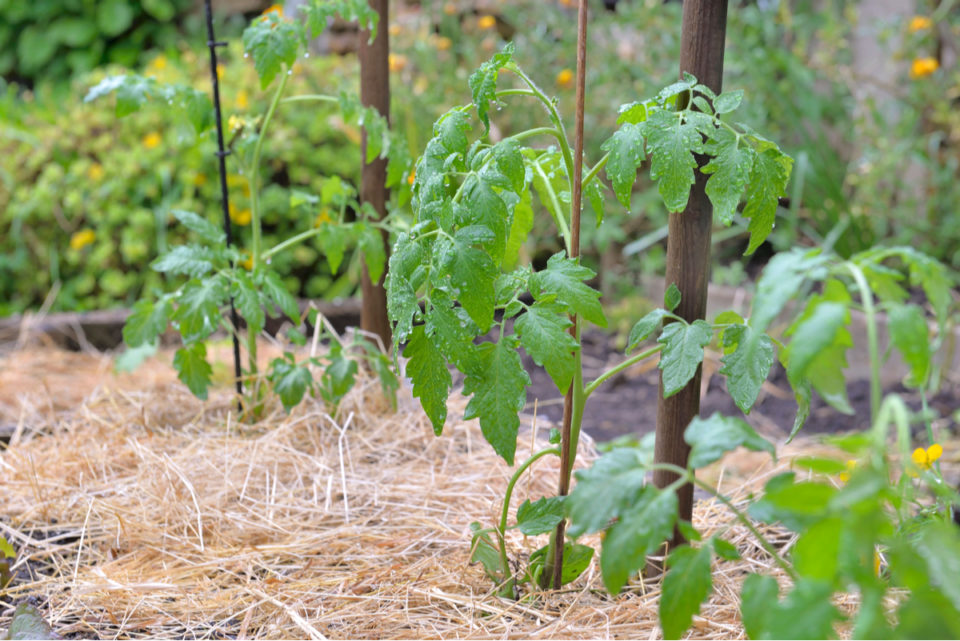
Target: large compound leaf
x: 543, y: 333
x: 563, y: 278
x: 273, y: 43
x: 193, y: 369
x: 148, y: 320
x: 671, y: 142
x: 612, y: 484
x: 431, y: 378
x: 639, y: 533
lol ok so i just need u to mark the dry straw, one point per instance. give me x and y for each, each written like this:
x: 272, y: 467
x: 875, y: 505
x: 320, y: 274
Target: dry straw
x: 141, y: 512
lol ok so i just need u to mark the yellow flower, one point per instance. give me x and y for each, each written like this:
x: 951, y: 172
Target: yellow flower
x: 95, y: 172
x: 442, y: 43
x: 565, y: 79
x: 919, y: 23
x: 395, y: 30
x: 397, y: 62
x: 412, y: 177
x: 234, y: 123
x: 851, y: 465
x: 81, y: 239
x: 247, y: 262
x: 240, y: 217
x: 568, y: 3
x: 243, y: 100
x: 322, y: 218
x: 487, y: 22
x: 450, y: 8
x: 157, y: 64
x: 152, y: 140
x: 924, y: 458
x: 923, y: 67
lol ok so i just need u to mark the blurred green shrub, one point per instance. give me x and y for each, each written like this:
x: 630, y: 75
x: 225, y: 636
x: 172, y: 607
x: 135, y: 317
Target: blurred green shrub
x: 52, y: 39
x: 85, y: 198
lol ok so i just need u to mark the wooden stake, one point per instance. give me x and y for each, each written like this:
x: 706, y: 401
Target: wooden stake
x: 375, y: 92
x: 688, y: 246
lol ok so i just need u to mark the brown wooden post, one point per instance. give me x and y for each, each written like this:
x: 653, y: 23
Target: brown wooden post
x: 375, y: 92
x: 688, y: 245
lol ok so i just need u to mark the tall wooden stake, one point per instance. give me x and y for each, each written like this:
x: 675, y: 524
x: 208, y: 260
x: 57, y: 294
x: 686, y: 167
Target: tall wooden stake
x: 688, y: 246
x: 566, y: 446
x: 375, y: 92
x: 222, y: 154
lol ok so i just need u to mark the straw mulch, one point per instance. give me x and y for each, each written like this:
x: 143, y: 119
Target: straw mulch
x: 139, y: 511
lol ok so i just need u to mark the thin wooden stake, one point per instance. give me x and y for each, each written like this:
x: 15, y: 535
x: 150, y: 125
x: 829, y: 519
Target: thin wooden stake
x: 222, y: 154
x: 688, y: 247
x: 375, y: 92
x: 566, y: 453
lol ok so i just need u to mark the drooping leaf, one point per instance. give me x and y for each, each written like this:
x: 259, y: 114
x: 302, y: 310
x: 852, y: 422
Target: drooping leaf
x: 338, y: 376
x: 911, y: 336
x: 563, y: 278
x: 685, y: 587
x: 431, y: 378
x: 484, y: 207
x: 758, y: 600
x: 193, y: 369
x: 483, y: 82
x: 939, y: 546
x: 611, y: 485
x: 781, y: 280
x: 497, y: 384
x: 682, y: 353
x: 276, y: 291
x: 374, y: 252
x: 729, y: 170
x: 711, y: 438
x: 484, y: 552
x: 671, y: 143
x: 543, y: 334
x: 290, y: 381
x: 639, y: 533
x: 248, y: 303
x: 768, y: 181
x: 728, y: 101
x: 748, y: 365
x: 626, y: 148
x: 541, y: 516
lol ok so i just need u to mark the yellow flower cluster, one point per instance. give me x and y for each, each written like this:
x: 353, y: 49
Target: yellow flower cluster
x: 81, y: 239
x: 924, y: 458
x: 322, y: 218
x: 923, y: 67
x: 240, y: 217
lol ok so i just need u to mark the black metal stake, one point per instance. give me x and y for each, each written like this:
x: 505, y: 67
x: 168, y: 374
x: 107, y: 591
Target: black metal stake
x: 224, y: 194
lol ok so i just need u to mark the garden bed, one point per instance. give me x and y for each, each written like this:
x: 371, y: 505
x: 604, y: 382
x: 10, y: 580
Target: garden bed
x: 139, y: 511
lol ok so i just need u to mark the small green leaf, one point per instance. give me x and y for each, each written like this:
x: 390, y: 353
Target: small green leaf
x: 497, y: 383
x: 671, y: 141
x: 189, y: 260
x: 639, y: 532
x: 939, y: 546
x: 724, y: 549
x: 485, y: 553
x: 540, y: 517
x: 6, y: 550
x: 290, y: 382
x: 796, y: 505
x: 147, y: 321
x: 200, y: 226
x: 114, y: 16
x: 747, y: 366
x: 338, y: 377
x: 768, y: 181
x: 272, y: 42
x: 543, y: 334
x: 626, y: 148
x: 576, y: 559
x: 431, y: 378
x: 710, y: 438
x: 671, y: 297
x: 198, y: 309
x: 682, y: 353
x: 483, y: 82
x: 729, y: 170
x: 644, y: 327
x: 193, y: 369
x: 276, y: 291
x: 248, y: 302
x: 28, y: 623
x: 759, y: 599
x: 911, y: 336
x: 133, y: 357
x: 815, y: 554
x: 728, y: 101
x: 685, y: 587
x: 615, y: 482
x: 564, y: 278
x: 334, y: 238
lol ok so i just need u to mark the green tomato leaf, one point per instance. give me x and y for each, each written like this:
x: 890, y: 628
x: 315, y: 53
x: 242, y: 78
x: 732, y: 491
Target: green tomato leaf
x: 497, y: 383
x: 563, y: 278
x: 639, y: 533
x: 200, y: 226
x: 781, y: 280
x: 290, y: 382
x: 671, y: 143
x: 483, y: 82
x: 188, y: 260
x: 427, y: 368
x: 540, y: 517
x: 748, y: 365
x: 338, y: 377
x: 939, y: 546
x: 729, y: 170
x: 193, y: 369
x: 759, y: 599
x: 198, y: 308
x: 277, y: 292
x: 815, y: 554
x: 711, y: 438
x: 911, y: 336
x: 768, y: 181
x: 615, y: 482
x: 374, y: 250
x: 248, y: 303
x: 543, y: 333
x: 28, y: 623
x: 452, y: 330
x: 626, y: 148
x: 728, y: 101
x: 484, y: 207
x: 484, y: 552
x: 644, y: 327
x: 148, y: 320
x: 520, y: 227
x: 671, y: 297
x: 796, y: 505
x: 468, y: 274
x: 272, y: 42
x: 334, y: 238
x: 682, y: 353
x: 685, y: 587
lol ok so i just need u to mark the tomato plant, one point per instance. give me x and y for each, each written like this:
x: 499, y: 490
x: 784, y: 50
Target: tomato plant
x: 218, y: 274
x: 458, y: 295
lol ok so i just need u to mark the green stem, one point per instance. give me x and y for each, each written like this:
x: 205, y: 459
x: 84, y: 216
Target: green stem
x: 254, y: 180
x: 505, y: 511
x: 536, y: 131
x: 613, y: 371
x: 866, y: 296
x: 314, y: 97
x: 596, y: 169
x: 554, y: 208
x: 293, y: 240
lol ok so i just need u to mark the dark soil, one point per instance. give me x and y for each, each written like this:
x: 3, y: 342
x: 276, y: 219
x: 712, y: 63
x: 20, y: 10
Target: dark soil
x: 627, y: 403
